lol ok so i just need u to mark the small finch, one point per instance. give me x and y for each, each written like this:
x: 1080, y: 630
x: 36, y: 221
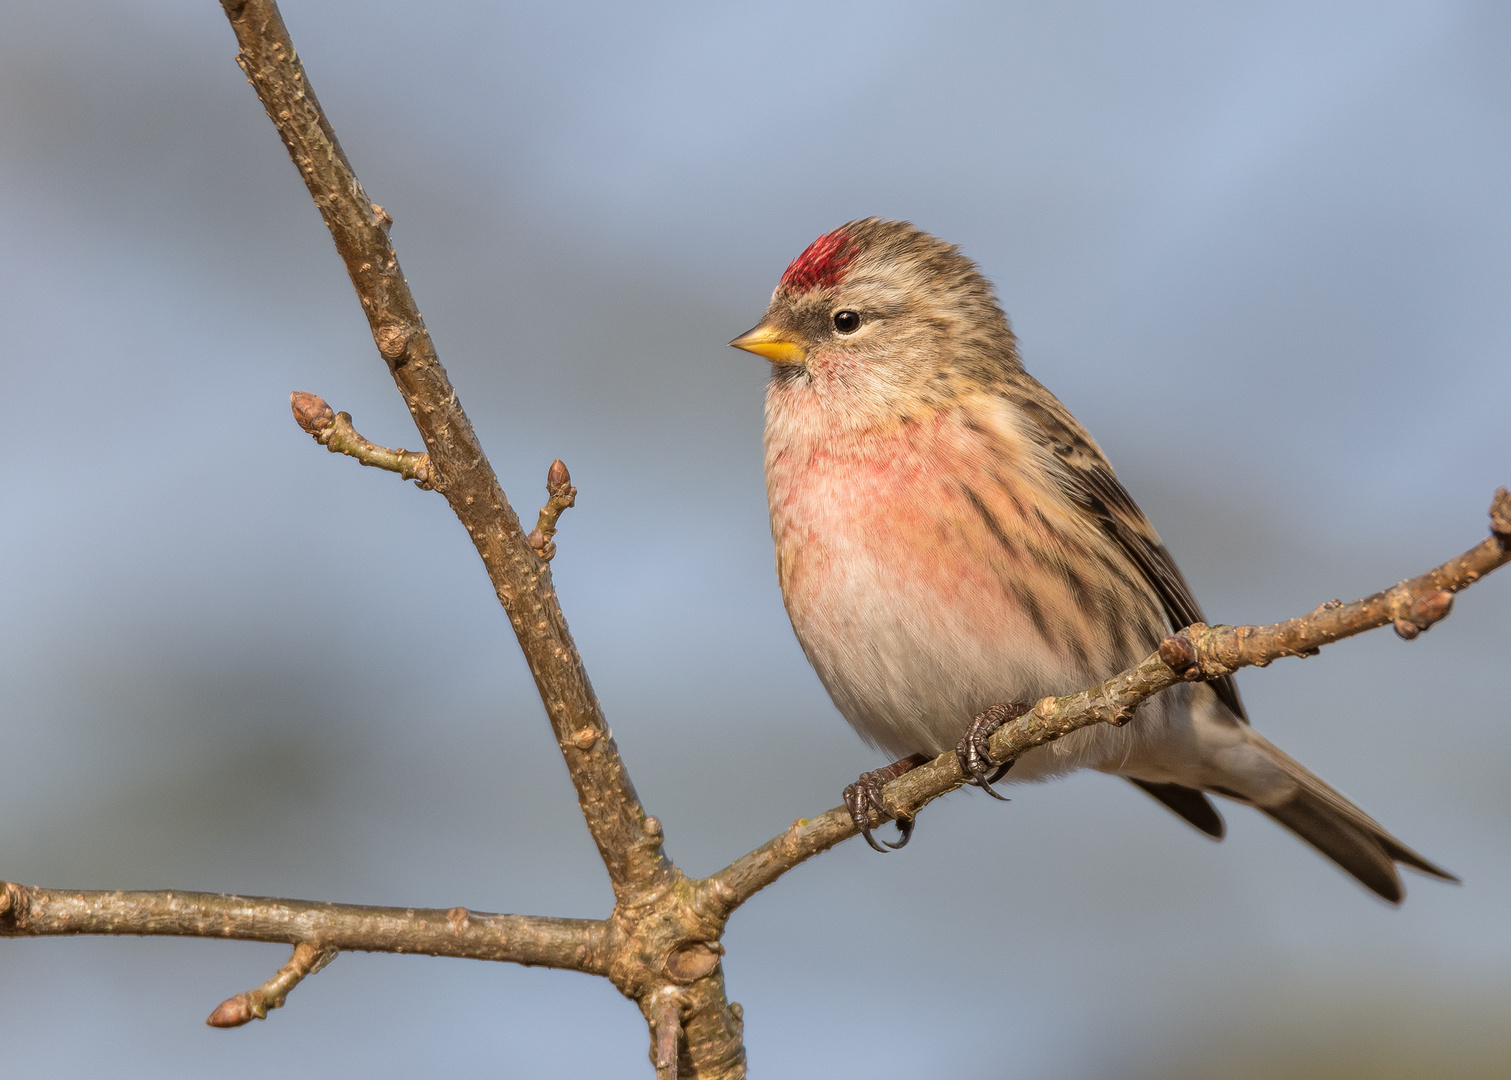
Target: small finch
x: 949, y: 538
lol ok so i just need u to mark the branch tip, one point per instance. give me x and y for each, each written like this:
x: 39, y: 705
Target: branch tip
x: 311, y: 412
x: 335, y: 432
x: 254, y: 1004
x: 233, y: 1012
x: 558, y: 479
x: 1500, y: 516
x: 561, y: 495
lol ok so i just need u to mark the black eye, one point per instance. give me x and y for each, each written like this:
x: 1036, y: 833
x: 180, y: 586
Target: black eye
x: 847, y: 322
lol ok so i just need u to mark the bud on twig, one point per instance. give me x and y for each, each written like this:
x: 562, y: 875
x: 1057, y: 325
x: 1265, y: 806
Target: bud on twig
x: 1500, y: 515
x: 558, y: 479
x: 1416, y: 612
x: 1177, y: 653
x: 311, y: 412
x: 233, y: 1012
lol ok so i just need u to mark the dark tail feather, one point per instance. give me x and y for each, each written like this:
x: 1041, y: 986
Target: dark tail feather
x: 1361, y: 854
x: 1343, y: 832
x: 1188, y: 803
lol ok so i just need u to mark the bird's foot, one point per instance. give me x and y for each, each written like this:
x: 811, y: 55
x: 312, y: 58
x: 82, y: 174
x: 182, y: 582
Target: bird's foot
x: 971, y: 751
x: 864, y: 796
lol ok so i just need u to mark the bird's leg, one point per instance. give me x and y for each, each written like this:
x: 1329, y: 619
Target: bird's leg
x: 864, y: 795
x: 971, y: 751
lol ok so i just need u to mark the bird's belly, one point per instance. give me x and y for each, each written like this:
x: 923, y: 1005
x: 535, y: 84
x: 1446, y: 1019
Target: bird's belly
x: 921, y: 596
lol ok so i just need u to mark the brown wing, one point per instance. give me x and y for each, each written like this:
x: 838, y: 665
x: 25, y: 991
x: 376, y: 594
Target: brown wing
x: 1088, y: 481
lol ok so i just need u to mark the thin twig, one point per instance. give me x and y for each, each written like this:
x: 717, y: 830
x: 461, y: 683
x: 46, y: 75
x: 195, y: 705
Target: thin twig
x: 335, y: 432
x: 561, y: 496
x: 254, y: 1004
x: 1197, y: 652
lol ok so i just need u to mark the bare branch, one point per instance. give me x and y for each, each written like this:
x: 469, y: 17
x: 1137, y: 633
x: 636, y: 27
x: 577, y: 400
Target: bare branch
x: 573, y: 944
x: 562, y: 495
x: 334, y: 431
x: 459, y: 468
x: 1196, y: 653
x: 1415, y: 604
x: 254, y: 1004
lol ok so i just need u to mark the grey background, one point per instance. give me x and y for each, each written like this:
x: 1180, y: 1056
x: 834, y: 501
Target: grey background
x: 1261, y: 250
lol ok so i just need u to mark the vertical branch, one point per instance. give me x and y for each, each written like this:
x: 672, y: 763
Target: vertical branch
x: 460, y: 469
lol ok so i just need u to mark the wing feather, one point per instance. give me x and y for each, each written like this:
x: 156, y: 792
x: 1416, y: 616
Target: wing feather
x: 1087, y: 479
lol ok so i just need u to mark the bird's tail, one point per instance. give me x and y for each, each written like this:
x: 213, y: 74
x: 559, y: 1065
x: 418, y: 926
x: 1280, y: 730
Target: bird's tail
x: 1336, y: 827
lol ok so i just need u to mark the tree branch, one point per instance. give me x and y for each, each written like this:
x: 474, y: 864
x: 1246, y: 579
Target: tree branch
x: 660, y: 946
x: 460, y: 469
x: 1196, y: 653
x: 654, y: 920
x: 572, y: 944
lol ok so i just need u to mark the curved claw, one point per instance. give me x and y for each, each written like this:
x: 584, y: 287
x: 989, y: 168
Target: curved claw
x: 971, y: 752
x: 856, y: 801
x: 864, y: 796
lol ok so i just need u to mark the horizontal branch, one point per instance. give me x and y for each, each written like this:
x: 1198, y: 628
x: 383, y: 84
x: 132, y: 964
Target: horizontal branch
x: 1196, y: 653
x: 572, y: 944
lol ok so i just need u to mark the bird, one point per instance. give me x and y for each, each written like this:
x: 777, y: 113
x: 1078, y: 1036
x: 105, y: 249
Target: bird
x: 949, y: 539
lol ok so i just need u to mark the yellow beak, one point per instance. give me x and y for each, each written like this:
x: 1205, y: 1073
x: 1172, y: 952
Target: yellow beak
x: 771, y: 343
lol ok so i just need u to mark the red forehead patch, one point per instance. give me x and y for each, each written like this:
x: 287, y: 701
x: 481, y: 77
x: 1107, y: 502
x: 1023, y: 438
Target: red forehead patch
x: 822, y: 264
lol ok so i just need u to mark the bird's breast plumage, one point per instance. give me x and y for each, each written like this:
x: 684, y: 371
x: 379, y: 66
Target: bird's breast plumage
x: 930, y: 567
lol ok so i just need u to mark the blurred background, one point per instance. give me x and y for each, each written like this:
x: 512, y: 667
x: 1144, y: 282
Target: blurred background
x: 1262, y: 251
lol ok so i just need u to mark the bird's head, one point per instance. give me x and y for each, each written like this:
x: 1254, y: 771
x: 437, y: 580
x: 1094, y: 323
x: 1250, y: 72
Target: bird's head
x: 886, y: 313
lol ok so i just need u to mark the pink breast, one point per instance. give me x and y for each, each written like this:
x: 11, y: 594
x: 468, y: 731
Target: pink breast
x: 892, y: 515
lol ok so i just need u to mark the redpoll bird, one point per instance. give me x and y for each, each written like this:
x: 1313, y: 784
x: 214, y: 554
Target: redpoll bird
x: 949, y: 538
